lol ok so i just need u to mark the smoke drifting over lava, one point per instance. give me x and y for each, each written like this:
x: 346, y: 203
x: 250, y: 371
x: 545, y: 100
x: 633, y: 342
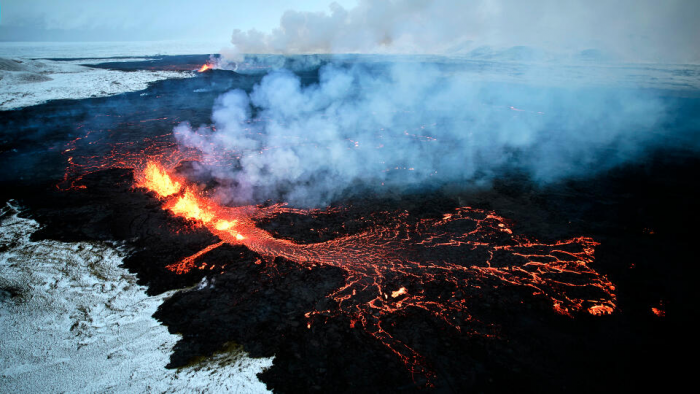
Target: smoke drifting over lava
x: 494, y: 220
x: 408, y: 124
x: 397, y: 122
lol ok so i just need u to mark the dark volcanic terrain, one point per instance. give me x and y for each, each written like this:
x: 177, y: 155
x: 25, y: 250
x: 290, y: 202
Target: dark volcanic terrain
x: 643, y: 214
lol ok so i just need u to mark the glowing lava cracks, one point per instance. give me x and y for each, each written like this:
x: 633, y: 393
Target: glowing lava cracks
x: 390, y: 266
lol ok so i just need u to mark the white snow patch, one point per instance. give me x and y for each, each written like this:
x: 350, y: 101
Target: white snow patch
x: 26, y: 82
x: 72, y: 320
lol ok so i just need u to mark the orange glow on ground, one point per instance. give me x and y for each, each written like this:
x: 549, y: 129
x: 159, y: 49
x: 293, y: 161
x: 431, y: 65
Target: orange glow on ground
x: 155, y: 179
x: 189, y: 206
x: 557, y: 272
x: 185, y: 265
x: 658, y: 312
x: 222, y: 225
x: 398, y: 292
x: 204, y: 68
x: 599, y: 310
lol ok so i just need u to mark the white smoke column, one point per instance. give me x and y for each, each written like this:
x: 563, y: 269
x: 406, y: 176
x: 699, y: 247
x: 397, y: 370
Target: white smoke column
x: 414, y: 125
x: 424, y: 121
x: 637, y: 30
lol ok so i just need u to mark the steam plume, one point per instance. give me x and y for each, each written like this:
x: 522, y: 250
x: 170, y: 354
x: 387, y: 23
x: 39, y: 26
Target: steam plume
x: 637, y: 30
x: 425, y: 121
x: 413, y: 124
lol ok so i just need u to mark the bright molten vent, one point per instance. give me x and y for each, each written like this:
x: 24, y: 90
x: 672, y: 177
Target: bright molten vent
x: 154, y: 178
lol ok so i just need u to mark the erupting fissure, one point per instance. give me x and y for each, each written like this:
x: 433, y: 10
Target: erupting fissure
x: 389, y: 267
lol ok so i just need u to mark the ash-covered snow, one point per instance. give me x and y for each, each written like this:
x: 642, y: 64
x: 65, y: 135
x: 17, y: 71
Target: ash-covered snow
x: 25, y: 82
x: 73, y: 320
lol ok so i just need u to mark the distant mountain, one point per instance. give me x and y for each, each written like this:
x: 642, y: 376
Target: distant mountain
x: 594, y: 55
x: 518, y: 53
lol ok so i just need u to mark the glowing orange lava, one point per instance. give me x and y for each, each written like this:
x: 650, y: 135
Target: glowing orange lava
x: 398, y: 292
x: 599, y: 310
x: 189, y: 206
x: 204, y: 68
x: 154, y: 178
x: 414, y: 251
x: 659, y: 310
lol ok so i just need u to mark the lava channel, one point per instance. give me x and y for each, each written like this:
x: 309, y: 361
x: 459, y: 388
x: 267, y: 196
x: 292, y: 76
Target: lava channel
x: 388, y: 266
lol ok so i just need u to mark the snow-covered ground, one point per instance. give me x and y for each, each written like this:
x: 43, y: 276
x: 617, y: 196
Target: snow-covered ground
x: 38, y: 80
x: 72, y: 320
x: 26, y: 78
x: 25, y: 82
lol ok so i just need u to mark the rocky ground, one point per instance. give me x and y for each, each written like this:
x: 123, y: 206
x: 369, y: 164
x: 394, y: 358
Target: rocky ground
x: 645, y: 250
x: 644, y: 215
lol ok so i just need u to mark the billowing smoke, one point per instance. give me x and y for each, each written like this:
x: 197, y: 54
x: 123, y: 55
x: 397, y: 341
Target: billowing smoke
x: 636, y: 30
x: 391, y: 122
x: 413, y: 125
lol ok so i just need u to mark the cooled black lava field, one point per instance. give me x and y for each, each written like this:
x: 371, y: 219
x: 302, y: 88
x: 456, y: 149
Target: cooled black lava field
x: 582, y: 284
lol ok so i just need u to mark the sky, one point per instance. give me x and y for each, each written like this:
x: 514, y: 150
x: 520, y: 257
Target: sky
x: 143, y: 20
x: 631, y: 30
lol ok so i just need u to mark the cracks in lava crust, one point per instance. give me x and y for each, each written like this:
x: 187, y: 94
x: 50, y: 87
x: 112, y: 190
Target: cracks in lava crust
x: 388, y: 265
x: 379, y: 304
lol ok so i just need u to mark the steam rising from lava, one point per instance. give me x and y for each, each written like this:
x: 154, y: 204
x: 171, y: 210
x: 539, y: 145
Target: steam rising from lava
x: 413, y: 125
x: 373, y: 125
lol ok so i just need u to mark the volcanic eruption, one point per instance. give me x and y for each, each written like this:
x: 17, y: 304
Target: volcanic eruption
x: 205, y: 67
x: 265, y: 191
x: 362, y: 204
x: 389, y: 265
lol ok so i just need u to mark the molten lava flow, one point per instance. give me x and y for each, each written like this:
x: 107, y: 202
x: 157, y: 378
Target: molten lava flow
x: 204, y: 68
x: 398, y: 292
x: 154, y: 178
x: 189, y: 206
x: 391, y: 266
x: 188, y: 263
x: 444, y: 267
x: 659, y: 310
